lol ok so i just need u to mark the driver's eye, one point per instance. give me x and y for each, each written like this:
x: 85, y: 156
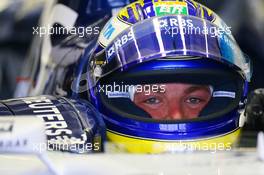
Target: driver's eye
x: 194, y: 100
x: 152, y: 100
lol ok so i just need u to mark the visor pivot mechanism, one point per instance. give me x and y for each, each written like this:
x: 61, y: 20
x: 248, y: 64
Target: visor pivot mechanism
x: 97, y: 71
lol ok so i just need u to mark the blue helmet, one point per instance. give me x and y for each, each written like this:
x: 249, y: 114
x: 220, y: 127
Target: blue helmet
x: 150, y: 52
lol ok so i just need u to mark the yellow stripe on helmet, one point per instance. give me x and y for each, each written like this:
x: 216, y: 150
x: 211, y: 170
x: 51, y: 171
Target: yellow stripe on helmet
x: 141, y: 145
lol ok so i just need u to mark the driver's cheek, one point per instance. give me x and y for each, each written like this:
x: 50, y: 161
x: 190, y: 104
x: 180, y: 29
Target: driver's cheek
x: 158, y: 113
x: 191, y: 113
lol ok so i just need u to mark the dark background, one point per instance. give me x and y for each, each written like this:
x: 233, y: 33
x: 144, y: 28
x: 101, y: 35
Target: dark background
x: 246, y: 17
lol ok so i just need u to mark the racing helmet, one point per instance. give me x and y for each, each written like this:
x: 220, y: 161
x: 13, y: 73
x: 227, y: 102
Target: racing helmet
x: 169, y: 47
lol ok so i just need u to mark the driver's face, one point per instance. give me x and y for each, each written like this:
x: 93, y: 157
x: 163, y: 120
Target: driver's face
x: 178, y: 101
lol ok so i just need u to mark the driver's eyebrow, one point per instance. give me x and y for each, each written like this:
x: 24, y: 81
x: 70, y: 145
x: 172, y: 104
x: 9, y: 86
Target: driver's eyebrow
x: 196, y: 88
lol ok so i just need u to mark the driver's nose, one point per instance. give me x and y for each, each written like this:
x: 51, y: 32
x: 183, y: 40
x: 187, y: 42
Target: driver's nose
x: 175, y: 112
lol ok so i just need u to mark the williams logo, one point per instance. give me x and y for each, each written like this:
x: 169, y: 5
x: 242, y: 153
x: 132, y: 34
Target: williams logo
x: 6, y: 126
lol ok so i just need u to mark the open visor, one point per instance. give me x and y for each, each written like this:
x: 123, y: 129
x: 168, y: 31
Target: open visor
x: 172, y: 37
x: 192, y: 93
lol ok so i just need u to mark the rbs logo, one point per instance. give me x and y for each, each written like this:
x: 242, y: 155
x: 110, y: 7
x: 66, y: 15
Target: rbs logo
x: 118, y: 43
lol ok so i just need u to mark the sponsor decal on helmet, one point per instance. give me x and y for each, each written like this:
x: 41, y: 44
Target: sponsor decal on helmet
x: 171, y: 8
x: 119, y: 42
x: 118, y: 94
x: 111, y: 30
x: 131, y: 13
x: 175, y: 22
x: 224, y: 94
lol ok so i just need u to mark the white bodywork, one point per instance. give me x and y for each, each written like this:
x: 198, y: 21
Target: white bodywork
x: 223, y: 163
x: 14, y: 160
